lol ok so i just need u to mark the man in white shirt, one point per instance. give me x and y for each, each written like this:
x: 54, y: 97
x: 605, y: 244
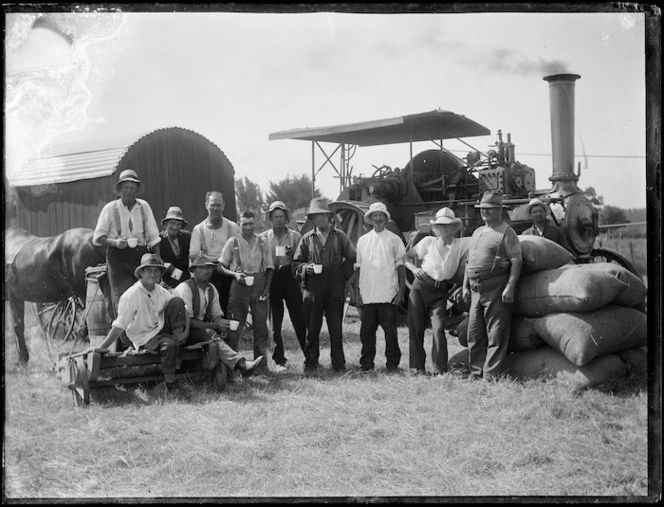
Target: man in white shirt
x: 128, y: 230
x: 209, y: 237
x: 247, y: 260
x: 440, y: 256
x: 380, y: 282
x: 151, y: 317
x: 201, y: 301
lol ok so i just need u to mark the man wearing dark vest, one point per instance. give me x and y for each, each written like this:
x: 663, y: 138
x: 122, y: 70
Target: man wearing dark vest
x: 201, y: 301
x: 128, y: 230
x: 492, y: 272
x: 209, y: 237
x: 174, y: 248
x: 324, y: 262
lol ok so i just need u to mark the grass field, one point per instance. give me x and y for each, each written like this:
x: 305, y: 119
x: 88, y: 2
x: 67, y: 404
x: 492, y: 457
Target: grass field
x: 360, y: 436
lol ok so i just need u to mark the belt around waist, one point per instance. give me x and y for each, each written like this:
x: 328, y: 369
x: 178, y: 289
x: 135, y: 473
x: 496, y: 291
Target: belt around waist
x: 485, y: 275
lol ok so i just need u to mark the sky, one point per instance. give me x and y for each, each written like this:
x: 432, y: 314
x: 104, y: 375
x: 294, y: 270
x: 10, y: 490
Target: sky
x: 237, y: 77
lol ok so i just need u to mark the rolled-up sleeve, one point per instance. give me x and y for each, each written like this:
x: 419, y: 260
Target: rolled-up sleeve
x: 184, y: 292
x: 152, y: 232
x: 227, y: 253
x: 103, y: 227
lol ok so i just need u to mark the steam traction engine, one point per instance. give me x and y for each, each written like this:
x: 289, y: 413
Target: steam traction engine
x: 437, y: 178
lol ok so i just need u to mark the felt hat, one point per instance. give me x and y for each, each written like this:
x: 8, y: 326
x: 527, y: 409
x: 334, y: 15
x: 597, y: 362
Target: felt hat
x: 318, y: 205
x: 536, y: 202
x: 128, y: 175
x: 150, y: 260
x: 200, y: 261
x: 445, y: 216
x: 278, y: 205
x: 376, y: 206
x: 174, y: 213
x: 491, y: 199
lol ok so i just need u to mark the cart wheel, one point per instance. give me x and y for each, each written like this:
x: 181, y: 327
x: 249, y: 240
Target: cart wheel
x: 221, y: 373
x: 60, y: 320
x: 79, y: 385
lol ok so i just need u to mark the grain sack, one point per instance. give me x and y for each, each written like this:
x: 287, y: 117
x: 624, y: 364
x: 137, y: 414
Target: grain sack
x: 633, y: 295
x: 522, y: 334
x: 636, y: 359
x: 583, y: 336
x: 540, y: 254
x: 581, y: 289
x: 549, y: 363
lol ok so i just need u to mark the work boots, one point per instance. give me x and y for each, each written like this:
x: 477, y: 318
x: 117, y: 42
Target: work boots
x: 247, y: 368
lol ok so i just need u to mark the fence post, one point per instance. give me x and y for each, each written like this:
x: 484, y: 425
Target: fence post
x: 631, y: 251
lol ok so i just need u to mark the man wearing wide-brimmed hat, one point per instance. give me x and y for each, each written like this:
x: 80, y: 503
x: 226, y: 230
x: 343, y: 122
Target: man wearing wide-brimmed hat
x: 201, y: 301
x: 380, y: 281
x: 282, y: 241
x: 539, y: 214
x: 324, y: 263
x: 174, y: 247
x: 150, y: 317
x: 209, y: 237
x: 492, y: 272
x: 128, y: 230
x: 438, y: 257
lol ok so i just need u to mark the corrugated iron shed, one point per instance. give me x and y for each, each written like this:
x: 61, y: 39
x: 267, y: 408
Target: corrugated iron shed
x: 68, y: 189
x: 438, y: 124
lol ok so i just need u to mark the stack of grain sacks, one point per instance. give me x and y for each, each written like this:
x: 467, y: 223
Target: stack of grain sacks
x: 582, y: 322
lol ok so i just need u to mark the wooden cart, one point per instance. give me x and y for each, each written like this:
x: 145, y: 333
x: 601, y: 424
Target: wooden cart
x: 83, y: 371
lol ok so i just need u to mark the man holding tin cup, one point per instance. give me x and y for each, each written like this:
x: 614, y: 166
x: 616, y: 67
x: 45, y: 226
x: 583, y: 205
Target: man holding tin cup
x: 247, y: 259
x: 284, y: 288
x: 128, y: 230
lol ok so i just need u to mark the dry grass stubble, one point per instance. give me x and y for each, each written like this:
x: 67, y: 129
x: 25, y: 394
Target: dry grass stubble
x: 351, y: 435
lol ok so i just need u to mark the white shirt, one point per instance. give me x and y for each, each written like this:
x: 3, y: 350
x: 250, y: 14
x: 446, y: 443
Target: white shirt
x: 252, y: 259
x: 141, y: 313
x: 106, y: 225
x: 378, y: 256
x: 209, y: 294
x: 439, y: 263
x: 291, y: 238
x: 215, y: 239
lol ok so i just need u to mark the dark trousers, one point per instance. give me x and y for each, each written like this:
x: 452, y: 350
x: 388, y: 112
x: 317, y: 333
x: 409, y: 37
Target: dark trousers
x: 371, y: 316
x: 329, y: 301
x: 286, y: 288
x: 223, y: 285
x: 242, y: 298
x: 489, y: 321
x: 427, y: 300
x: 121, y: 264
x: 175, y: 316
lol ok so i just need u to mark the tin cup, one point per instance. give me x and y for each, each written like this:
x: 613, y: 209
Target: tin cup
x: 233, y: 324
x: 249, y: 280
x: 132, y: 242
x: 281, y: 251
x: 318, y: 268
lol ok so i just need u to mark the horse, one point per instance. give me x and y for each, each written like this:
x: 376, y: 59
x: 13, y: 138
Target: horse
x: 46, y: 270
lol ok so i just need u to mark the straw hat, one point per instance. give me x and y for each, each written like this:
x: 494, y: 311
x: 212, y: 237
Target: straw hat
x: 278, y: 205
x: 150, y: 260
x: 201, y: 261
x: 445, y: 216
x: 128, y: 175
x: 491, y: 199
x: 318, y: 205
x: 174, y: 213
x: 376, y: 206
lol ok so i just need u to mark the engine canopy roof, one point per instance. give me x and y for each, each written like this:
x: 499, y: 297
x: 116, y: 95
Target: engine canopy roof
x: 438, y: 124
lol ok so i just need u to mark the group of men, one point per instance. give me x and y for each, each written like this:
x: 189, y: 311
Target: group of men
x: 173, y: 288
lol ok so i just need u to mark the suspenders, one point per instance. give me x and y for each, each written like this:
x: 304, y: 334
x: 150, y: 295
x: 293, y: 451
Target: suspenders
x: 118, y: 222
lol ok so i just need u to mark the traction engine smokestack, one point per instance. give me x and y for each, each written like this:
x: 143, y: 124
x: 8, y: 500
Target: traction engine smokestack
x: 561, y: 98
